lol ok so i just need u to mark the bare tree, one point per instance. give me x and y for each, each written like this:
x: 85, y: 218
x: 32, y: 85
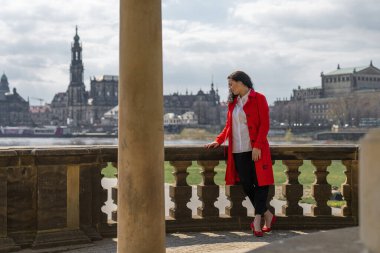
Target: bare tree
x: 338, y: 110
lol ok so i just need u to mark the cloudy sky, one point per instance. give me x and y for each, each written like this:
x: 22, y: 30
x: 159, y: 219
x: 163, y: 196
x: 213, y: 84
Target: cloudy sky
x: 280, y: 44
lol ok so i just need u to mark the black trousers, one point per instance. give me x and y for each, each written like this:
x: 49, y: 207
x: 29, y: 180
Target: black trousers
x: 245, y: 167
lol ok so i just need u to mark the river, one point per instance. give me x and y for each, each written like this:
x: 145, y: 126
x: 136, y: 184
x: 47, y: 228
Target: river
x: 34, y: 142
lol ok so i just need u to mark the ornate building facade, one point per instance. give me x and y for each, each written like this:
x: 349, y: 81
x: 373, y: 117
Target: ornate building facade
x: 343, y: 81
x: 348, y: 96
x: 14, y: 110
x: 77, y: 97
x: 80, y: 108
x: 103, y: 95
x: 188, y: 110
x: 206, y: 106
x: 59, y: 109
x: 41, y: 114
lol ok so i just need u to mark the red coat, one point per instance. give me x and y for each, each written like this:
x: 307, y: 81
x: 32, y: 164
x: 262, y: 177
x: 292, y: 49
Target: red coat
x: 257, y: 112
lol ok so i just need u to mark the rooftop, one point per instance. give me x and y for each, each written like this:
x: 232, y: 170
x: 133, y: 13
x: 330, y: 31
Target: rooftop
x: 342, y: 71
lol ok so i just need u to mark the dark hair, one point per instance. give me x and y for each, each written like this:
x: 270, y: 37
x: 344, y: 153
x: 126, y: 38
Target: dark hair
x: 242, y: 77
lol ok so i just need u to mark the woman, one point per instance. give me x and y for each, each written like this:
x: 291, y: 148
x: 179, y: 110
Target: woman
x: 249, y: 161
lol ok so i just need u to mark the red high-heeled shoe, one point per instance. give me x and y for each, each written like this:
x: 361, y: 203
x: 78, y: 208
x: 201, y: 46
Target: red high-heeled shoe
x: 256, y: 233
x: 265, y: 229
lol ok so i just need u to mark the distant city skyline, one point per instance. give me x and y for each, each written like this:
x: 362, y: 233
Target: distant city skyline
x: 280, y: 44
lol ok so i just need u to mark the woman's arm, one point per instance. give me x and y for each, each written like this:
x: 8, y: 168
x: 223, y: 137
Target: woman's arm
x: 263, y: 122
x: 221, y: 137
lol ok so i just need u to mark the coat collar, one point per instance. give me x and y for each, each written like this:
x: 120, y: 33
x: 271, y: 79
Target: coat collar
x: 252, y: 94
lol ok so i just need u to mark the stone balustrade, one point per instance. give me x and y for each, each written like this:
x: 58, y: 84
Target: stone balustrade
x: 53, y: 196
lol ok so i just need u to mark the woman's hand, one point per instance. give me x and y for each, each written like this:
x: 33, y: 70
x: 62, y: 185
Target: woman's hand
x: 256, y: 154
x: 212, y: 145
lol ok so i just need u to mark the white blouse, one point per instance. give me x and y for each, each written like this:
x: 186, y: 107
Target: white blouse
x: 240, y: 135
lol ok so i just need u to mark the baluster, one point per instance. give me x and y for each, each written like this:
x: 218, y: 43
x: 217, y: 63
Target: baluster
x: 180, y: 191
x: 107, y: 227
x: 208, y: 191
x: 101, y: 195
x: 321, y: 190
x: 114, y: 195
x: 292, y: 190
x: 355, y: 190
x: 6, y: 244
x: 271, y: 193
x: 236, y: 196
x: 346, y: 188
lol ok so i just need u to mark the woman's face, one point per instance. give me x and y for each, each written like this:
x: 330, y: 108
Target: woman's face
x: 234, y: 86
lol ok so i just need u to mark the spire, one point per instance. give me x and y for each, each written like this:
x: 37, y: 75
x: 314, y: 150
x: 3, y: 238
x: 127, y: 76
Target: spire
x: 76, y: 37
x: 371, y: 65
x: 338, y: 66
x: 212, y: 82
x: 4, y: 77
x: 76, y: 67
x: 4, y: 85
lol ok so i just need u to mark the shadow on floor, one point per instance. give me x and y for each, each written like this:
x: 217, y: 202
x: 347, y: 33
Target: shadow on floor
x: 196, y: 238
x: 190, y: 242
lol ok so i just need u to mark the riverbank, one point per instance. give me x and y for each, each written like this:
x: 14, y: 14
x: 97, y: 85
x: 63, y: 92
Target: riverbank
x: 191, y: 134
x: 202, y: 135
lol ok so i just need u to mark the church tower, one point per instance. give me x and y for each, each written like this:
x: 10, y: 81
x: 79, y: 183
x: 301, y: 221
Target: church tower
x: 77, y: 96
x: 4, y: 85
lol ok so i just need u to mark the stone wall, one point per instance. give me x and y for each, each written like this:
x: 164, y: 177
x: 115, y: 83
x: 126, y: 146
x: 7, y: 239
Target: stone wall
x: 53, y: 196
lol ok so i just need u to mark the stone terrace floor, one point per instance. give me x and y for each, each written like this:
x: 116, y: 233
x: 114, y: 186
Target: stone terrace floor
x: 204, y: 242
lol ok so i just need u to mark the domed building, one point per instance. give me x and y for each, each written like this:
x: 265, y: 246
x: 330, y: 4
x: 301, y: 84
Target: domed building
x: 14, y: 110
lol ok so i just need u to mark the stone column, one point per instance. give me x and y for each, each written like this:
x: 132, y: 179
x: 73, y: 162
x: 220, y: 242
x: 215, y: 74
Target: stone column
x: 236, y: 196
x: 321, y: 190
x: 180, y: 192
x: 208, y: 191
x: 346, y: 188
x: 369, y: 199
x: 141, y: 217
x: 292, y: 190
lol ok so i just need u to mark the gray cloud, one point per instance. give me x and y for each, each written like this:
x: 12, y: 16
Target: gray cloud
x: 281, y: 44
x: 211, y: 11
